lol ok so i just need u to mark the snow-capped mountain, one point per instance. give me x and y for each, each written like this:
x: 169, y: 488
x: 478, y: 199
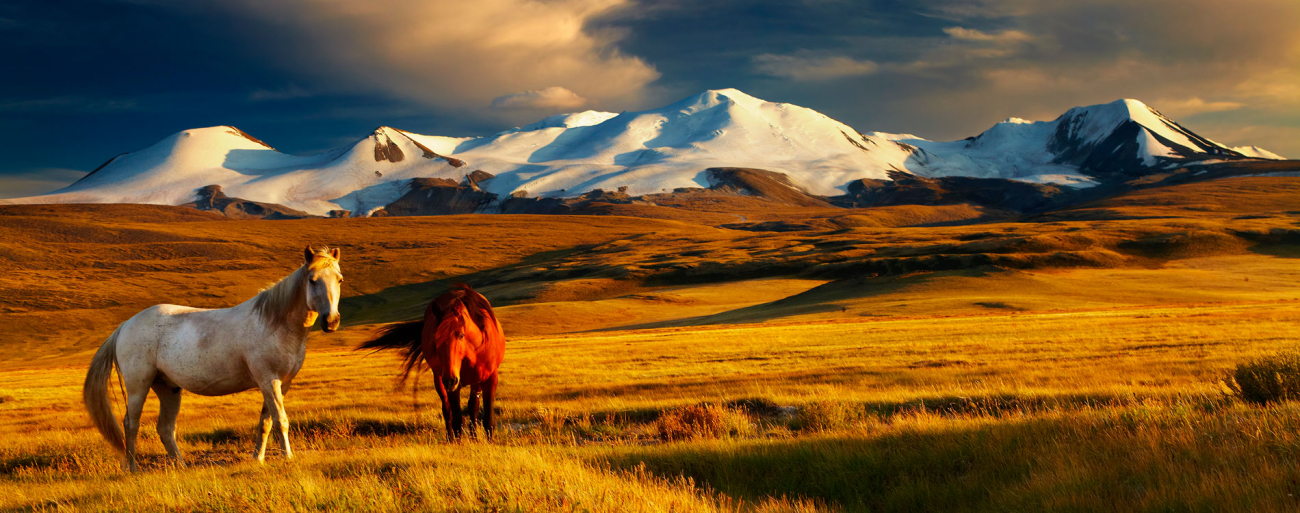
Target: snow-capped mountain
x: 647, y: 152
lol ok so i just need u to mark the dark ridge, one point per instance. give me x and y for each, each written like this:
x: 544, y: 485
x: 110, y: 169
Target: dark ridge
x: 101, y: 166
x: 907, y: 189
x: 762, y: 183
x: 520, y: 203
x: 907, y: 147
x: 387, y: 151
x: 211, y: 198
x: 479, y: 176
x: 430, y: 154
x: 438, y: 196
x: 1206, y: 145
x: 245, y: 135
x: 853, y: 142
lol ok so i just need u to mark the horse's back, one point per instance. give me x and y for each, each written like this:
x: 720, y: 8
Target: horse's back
x: 198, y: 349
x: 152, y: 324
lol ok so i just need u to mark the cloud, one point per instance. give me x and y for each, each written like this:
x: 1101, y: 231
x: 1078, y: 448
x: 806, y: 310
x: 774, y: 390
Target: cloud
x: 450, y: 53
x: 80, y: 104
x: 551, y: 98
x: 994, y: 59
x: 283, y: 93
x: 805, y: 67
x: 1005, y: 36
x: 38, y: 181
x: 1195, y: 105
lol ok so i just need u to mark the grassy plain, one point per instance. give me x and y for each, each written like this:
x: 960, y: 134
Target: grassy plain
x: 1070, y: 362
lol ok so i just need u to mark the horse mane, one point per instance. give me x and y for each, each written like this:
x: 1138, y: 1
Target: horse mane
x: 278, y: 303
x: 480, y: 310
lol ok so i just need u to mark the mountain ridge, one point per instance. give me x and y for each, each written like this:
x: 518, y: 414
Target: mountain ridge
x: 647, y: 152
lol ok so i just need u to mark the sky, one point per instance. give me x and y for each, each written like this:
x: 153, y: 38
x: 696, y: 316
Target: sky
x: 84, y: 81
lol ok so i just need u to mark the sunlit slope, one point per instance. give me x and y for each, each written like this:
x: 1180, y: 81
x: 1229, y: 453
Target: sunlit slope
x: 648, y: 152
x: 75, y: 272
x: 980, y: 413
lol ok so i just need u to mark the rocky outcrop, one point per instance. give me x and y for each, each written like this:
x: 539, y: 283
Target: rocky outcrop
x: 907, y: 189
x: 762, y: 183
x: 439, y: 196
x: 427, y: 153
x: 211, y: 198
x: 522, y: 204
x: 479, y: 176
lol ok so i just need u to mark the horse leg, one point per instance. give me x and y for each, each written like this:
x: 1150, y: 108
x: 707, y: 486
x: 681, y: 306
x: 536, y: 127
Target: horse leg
x: 446, y: 407
x: 131, y: 422
x: 281, y: 418
x: 473, y: 412
x: 282, y: 427
x: 457, y: 419
x: 264, y: 427
x: 169, y: 405
x: 489, y: 397
x: 135, y: 380
x: 273, y: 415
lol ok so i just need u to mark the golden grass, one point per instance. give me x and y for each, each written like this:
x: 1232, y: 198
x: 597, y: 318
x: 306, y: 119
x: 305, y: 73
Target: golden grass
x: 1060, y: 362
x: 1105, y: 384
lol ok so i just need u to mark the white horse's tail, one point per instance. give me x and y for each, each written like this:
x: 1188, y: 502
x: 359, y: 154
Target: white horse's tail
x: 95, y: 393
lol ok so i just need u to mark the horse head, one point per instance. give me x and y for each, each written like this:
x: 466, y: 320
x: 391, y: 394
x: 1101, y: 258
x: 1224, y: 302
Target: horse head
x: 459, y: 339
x: 324, y: 281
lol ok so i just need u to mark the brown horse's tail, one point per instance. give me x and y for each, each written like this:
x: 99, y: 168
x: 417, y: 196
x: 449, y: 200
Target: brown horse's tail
x: 403, y: 336
x: 95, y: 393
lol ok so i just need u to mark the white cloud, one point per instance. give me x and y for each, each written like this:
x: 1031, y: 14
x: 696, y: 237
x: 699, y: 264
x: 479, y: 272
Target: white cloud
x: 36, y: 182
x: 1005, y: 36
x: 552, y: 98
x: 807, y: 67
x: 1194, y: 105
x: 452, y: 53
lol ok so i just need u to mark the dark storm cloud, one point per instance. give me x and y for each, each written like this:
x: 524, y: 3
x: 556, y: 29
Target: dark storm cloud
x: 947, y: 70
x: 96, y: 78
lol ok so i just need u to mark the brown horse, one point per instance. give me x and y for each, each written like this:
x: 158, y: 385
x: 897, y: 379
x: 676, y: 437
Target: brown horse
x: 462, y: 343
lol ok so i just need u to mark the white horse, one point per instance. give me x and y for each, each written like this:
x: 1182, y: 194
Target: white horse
x: 259, y: 344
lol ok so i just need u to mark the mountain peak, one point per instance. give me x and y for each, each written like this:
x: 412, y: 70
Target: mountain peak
x: 569, y: 120
x: 714, y: 97
x: 651, y: 151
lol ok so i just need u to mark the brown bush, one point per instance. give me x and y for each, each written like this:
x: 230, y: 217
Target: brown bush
x: 702, y: 421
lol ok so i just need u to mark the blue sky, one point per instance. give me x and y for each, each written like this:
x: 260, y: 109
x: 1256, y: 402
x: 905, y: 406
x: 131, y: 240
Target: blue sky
x: 87, y: 80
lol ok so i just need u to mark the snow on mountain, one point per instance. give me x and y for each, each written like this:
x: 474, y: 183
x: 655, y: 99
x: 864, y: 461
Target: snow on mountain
x: 662, y: 149
x: 648, y: 152
x: 369, y: 173
x: 1257, y: 152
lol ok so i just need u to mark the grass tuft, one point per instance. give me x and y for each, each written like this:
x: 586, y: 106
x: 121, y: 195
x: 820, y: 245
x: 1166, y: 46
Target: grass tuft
x: 1269, y: 379
x: 703, y: 421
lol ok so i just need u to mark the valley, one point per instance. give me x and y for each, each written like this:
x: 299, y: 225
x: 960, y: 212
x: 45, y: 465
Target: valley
x: 738, y: 354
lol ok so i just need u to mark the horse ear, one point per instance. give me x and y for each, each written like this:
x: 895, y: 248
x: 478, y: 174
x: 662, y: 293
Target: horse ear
x: 335, y: 253
x: 308, y: 254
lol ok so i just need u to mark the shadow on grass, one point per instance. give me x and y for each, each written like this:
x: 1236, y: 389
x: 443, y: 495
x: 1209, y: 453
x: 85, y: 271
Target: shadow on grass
x: 819, y: 299
x: 1131, y: 460
x: 312, y: 428
x: 407, y: 302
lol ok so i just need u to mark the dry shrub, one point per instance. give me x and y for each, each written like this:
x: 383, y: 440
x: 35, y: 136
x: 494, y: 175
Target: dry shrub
x: 703, y: 421
x: 1269, y: 379
x: 827, y: 415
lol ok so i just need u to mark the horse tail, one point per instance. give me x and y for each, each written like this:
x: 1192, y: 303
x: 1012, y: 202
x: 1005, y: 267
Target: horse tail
x: 95, y: 393
x: 403, y: 336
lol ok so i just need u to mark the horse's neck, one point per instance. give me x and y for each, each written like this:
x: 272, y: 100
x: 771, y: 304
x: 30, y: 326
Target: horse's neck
x: 274, y: 331
x: 279, y: 312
